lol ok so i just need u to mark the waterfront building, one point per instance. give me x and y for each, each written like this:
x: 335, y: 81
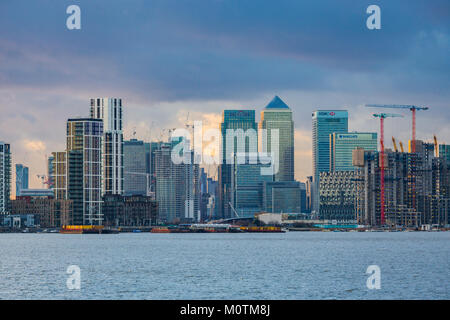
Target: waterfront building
x: 21, y: 178
x: 233, y: 120
x: 324, y: 123
x: 5, y: 177
x: 417, y: 187
x: 247, y: 188
x: 342, y: 145
x: 278, y: 116
x: 337, y: 196
x: 177, y: 186
x: 109, y: 110
x: 129, y: 211
x: 136, y: 176
x: 282, y: 197
x: 50, y: 212
x: 84, y: 169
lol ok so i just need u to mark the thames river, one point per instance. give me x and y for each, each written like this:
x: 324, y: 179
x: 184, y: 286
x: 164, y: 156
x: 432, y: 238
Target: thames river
x: 293, y: 265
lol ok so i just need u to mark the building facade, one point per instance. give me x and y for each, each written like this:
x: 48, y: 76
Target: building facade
x: 110, y: 111
x: 136, y: 176
x: 21, y: 178
x: 129, y: 211
x: 278, y: 116
x: 51, y: 213
x: 416, y: 188
x: 338, y: 196
x: 233, y: 120
x: 5, y: 177
x: 282, y: 197
x: 84, y: 169
x: 247, y: 189
x: 324, y: 123
x: 177, y: 186
x: 342, y: 145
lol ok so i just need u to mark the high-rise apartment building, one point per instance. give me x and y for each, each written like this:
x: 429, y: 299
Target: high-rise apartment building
x: 59, y: 176
x: 21, y: 178
x: 278, y: 116
x: 110, y: 111
x: 324, y: 123
x: 84, y: 169
x: 5, y: 177
x: 342, y: 145
x: 234, y: 120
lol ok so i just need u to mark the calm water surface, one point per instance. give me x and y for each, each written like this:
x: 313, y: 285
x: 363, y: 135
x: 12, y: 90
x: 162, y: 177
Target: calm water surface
x: 294, y: 265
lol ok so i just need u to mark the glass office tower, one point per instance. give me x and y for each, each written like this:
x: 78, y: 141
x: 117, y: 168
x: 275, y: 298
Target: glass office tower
x: 277, y: 115
x: 324, y: 123
x: 233, y: 119
x: 342, y: 145
x: 135, y: 168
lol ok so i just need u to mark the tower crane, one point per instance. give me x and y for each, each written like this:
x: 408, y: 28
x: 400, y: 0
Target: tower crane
x: 413, y: 110
x: 401, y: 147
x: 395, y: 144
x: 383, y: 116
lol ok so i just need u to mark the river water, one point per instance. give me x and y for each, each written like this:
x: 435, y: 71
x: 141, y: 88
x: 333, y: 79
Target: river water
x: 293, y: 265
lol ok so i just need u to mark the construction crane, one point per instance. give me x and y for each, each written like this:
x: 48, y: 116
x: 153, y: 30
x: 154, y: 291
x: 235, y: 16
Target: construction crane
x: 395, y: 144
x: 383, y: 116
x: 401, y: 147
x: 44, y: 179
x: 436, y: 146
x: 413, y: 110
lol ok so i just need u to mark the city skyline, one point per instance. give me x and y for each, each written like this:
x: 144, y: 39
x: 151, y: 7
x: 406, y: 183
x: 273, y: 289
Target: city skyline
x: 215, y: 57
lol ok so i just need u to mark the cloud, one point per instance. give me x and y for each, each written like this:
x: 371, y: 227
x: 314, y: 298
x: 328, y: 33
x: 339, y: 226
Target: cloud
x: 166, y: 58
x: 35, y: 145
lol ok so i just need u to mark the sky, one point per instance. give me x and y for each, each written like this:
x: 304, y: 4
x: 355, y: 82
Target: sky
x: 166, y: 58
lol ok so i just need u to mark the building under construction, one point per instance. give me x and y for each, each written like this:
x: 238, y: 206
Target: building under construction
x: 416, y: 187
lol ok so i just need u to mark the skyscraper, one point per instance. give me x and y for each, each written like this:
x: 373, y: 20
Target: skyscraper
x: 84, y: 169
x: 5, y: 177
x: 177, y: 186
x: 233, y: 120
x: 21, y: 178
x: 324, y: 123
x: 277, y: 115
x: 135, y: 167
x: 342, y: 145
x: 110, y: 111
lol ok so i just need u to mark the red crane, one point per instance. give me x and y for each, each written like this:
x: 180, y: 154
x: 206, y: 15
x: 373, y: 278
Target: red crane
x: 383, y: 116
x: 413, y: 111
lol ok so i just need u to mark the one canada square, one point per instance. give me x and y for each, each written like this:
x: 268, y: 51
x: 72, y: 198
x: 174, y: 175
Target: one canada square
x: 110, y: 111
x: 278, y: 116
